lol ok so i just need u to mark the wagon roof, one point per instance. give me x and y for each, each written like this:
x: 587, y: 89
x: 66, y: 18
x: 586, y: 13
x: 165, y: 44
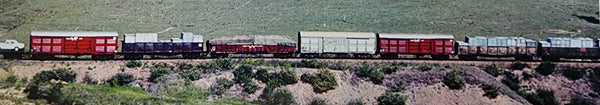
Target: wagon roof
x: 251, y: 39
x: 419, y: 36
x: 74, y: 33
x: 336, y: 34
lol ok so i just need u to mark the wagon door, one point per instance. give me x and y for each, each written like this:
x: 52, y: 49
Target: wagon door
x: 311, y: 45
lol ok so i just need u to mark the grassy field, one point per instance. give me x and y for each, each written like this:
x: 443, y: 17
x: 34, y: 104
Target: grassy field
x: 213, y: 18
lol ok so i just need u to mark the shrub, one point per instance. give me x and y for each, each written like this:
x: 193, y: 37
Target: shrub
x: 189, y: 71
x: 282, y: 97
x: 286, y: 64
x: 12, y: 79
x: 262, y: 75
x: 89, y: 80
x: 492, y: 70
x: 453, y: 80
x: 312, y: 63
x: 243, y: 74
x: 391, y: 99
x: 491, y: 91
x: 43, y: 77
x: 250, y: 87
x: 64, y: 74
x: 133, y: 64
x: 425, y: 67
x: 511, y: 80
x: 321, y: 82
x: 158, y: 72
x: 531, y: 97
x: 356, y: 102
x: 519, y: 65
x: 120, y: 79
x: 287, y: 76
x: 318, y: 101
x: 548, y: 97
x: 225, y: 63
x: 545, y: 68
x: 221, y: 86
x: 580, y: 101
x: 372, y: 72
x: 397, y: 87
x: 573, y: 73
x: 594, y: 79
x: 392, y: 67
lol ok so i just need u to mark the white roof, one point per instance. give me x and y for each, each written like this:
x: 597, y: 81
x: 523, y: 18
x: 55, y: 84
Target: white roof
x: 415, y: 36
x: 74, y: 33
x: 335, y: 34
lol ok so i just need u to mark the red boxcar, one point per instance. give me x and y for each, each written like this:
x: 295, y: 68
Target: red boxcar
x: 255, y: 44
x: 438, y: 46
x: 73, y: 43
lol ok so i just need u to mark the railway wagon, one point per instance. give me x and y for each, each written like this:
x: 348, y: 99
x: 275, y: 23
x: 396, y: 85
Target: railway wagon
x: 277, y: 45
x: 517, y: 47
x: 101, y: 45
x: 340, y: 44
x: 438, y: 46
x: 569, y: 48
x: 137, y: 45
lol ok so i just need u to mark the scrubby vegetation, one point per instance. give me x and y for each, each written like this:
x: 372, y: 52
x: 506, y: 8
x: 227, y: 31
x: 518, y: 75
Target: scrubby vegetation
x: 491, y: 91
x: 594, y: 79
x: 133, y: 64
x: 321, y: 82
x: 391, y: 67
x: 454, y: 80
x: 189, y: 71
x: 542, y: 97
x: 391, y: 99
x: 222, y: 85
x: 243, y: 74
x: 250, y: 87
x: 397, y: 87
x: 224, y: 63
x: 371, y: 72
x: 356, y: 102
x: 318, y: 101
x: 518, y: 65
x: 546, y: 68
x: 512, y: 81
x: 155, y: 73
x: 278, y: 96
x: 574, y: 73
x: 120, y: 79
x: 492, y: 70
x: 580, y: 101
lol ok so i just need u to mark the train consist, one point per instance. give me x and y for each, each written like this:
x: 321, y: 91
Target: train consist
x: 310, y: 44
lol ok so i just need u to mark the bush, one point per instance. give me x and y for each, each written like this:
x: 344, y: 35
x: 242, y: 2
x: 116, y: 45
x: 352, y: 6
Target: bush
x: 287, y: 76
x: 453, y: 80
x: 158, y: 72
x: 356, y: 102
x: 512, y: 81
x: 594, y: 79
x: 491, y: 91
x: 519, y: 65
x: 545, y: 68
x: 221, y: 86
x: 391, y: 99
x: 318, y: 101
x: 243, y: 74
x: 425, y: 67
x: 12, y: 79
x: 282, y: 97
x: 64, y: 74
x: 250, y: 87
x: 262, y: 75
x: 133, y: 64
x: 43, y: 77
x: 120, y: 79
x: 321, y: 82
x: 312, y: 63
x: 89, y: 80
x: 340, y: 65
x: 372, y: 72
x: 224, y: 63
x: 548, y: 97
x: 492, y: 70
x: 573, y: 73
x: 580, y: 101
x: 397, y: 87
x: 189, y: 71
x: 531, y: 97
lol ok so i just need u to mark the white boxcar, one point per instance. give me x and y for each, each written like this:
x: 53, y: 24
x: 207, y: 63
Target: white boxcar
x: 337, y: 42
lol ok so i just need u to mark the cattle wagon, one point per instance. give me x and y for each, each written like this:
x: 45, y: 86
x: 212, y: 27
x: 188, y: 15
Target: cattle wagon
x: 340, y: 44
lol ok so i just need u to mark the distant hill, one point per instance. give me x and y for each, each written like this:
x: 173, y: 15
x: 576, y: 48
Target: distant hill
x: 212, y: 18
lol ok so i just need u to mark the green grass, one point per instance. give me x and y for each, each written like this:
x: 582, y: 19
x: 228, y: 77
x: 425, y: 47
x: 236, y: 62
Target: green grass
x: 214, y: 18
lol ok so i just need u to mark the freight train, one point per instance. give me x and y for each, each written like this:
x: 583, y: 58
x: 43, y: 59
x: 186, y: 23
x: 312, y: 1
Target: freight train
x: 310, y: 44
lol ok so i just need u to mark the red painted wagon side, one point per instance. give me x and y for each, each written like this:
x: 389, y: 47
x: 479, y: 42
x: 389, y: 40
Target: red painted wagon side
x: 73, y: 43
x: 438, y: 46
x: 255, y: 44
